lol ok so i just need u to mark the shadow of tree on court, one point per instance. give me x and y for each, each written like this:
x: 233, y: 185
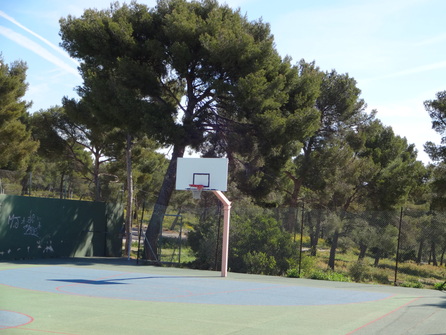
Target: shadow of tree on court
x: 440, y: 302
x: 120, y: 281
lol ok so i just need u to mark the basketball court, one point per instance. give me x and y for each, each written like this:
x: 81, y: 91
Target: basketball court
x: 116, y: 296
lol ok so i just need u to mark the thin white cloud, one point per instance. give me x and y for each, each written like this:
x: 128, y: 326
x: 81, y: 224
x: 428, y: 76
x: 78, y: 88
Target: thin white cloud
x: 420, y: 69
x: 411, y: 71
x: 432, y: 40
x: 37, y: 49
x: 44, y: 40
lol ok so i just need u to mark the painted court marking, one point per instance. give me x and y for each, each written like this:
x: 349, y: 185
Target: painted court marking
x: 382, y: 317
x: 177, y: 289
x: 9, y: 319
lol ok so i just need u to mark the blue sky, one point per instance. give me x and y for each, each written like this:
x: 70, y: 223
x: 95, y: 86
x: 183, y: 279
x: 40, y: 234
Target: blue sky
x: 395, y: 49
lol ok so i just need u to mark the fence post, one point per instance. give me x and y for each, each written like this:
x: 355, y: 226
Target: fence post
x: 140, y: 230
x: 301, y: 236
x: 398, y: 247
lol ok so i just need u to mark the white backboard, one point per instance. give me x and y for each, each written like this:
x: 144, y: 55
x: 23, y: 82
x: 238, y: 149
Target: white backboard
x: 212, y: 173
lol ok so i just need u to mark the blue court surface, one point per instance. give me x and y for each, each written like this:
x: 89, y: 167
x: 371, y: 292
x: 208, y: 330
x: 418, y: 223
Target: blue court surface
x: 55, y: 296
x: 180, y: 289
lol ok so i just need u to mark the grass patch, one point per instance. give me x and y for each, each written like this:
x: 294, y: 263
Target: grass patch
x: 423, y: 271
x: 348, y: 267
x: 412, y: 282
x: 441, y: 286
x: 328, y: 275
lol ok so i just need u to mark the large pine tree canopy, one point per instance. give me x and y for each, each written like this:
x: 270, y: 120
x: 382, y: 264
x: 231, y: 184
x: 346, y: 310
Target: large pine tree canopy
x: 16, y: 144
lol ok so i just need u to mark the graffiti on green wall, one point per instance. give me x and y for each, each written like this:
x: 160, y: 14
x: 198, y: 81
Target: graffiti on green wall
x: 38, y: 227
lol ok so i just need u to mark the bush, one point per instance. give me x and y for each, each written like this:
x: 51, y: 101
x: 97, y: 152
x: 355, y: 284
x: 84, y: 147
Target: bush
x: 260, y: 263
x: 414, y: 283
x: 292, y: 273
x: 307, y: 264
x: 259, y: 245
x: 328, y: 275
x: 203, y: 241
x: 441, y: 286
x: 345, y: 244
x: 360, y: 271
x: 408, y: 255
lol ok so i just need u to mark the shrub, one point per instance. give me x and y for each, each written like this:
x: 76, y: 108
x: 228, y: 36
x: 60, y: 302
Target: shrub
x: 292, y: 273
x: 360, y: 271
x: 345, y: 244
x: 260, y: 263
x: 414, y: 283
x: 328, y: 275
x: 306, y: 266
x: 441, y: 286
x: 203, y: 242
x: 258, y: 244
x: 408, y: 255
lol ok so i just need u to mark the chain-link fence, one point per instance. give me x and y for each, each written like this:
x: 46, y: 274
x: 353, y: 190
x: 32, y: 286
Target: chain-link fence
x: 403, y: 247
x: 60, y: 186
x: 406, y: 246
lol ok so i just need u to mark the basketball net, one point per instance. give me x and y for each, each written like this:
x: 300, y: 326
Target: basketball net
x: 196, y: 190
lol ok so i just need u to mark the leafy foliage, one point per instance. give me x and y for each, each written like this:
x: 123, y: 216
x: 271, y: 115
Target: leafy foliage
x: 440, y: 286
x: 203, y: 240
x: 328, y: 275
x: 360, y: 271
x: 16, y: 144
x: 194, y: 74
x: 259, y: 245
x: 437, y: 112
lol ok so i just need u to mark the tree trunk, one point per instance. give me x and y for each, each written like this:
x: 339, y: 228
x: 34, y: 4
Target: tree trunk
x: 97, y: 196
x: 377, y: 258
x: 420, y: 252
x: 61, y: 185
x: 69, y: 187
x: 26, y: 183
x: 128, y: 217
x: 156, y: 221
x: 314, y: 235
x: 334, y: 246
x: 291, y: 220
x: 442, y: 255
x: 362, y: 251
x: 293, y: 203
x: 434, y: 254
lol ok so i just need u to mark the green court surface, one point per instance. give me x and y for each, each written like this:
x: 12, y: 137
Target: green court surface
x: 116, y: 296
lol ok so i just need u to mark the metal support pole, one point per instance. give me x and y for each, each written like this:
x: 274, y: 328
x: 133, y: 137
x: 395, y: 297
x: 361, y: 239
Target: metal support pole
x: 225, y: 245
x: 398, y: 248
x: 301, y: 237
x: 218, y: 236
x: 140, y: 230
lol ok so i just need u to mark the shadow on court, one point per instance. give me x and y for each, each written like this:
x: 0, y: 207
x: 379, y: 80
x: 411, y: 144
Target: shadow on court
x: 119, y: 281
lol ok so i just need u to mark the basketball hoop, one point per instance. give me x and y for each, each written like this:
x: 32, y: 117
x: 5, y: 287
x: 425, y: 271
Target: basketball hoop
x: 196, y: 190
x: 209, y: 174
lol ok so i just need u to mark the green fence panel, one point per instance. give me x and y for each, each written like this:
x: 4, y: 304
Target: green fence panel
x: 114, y: 229
x: 41, y: 227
